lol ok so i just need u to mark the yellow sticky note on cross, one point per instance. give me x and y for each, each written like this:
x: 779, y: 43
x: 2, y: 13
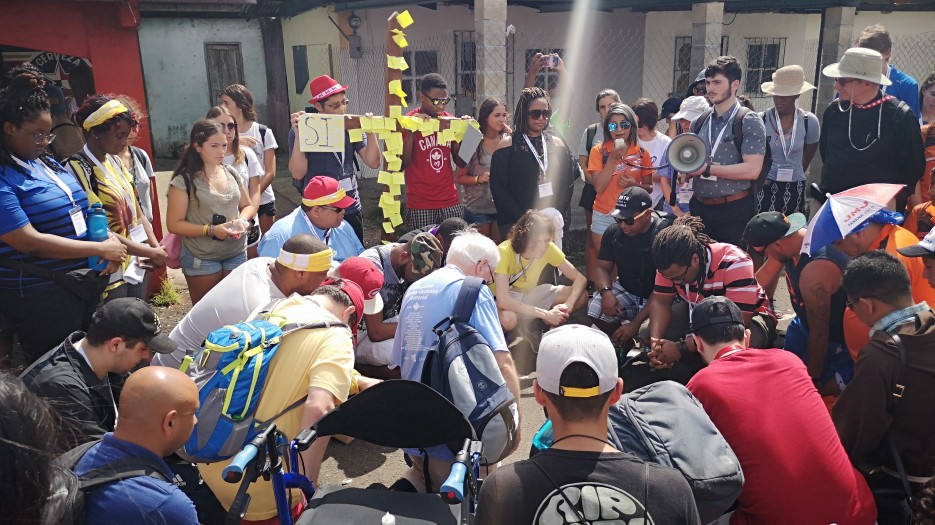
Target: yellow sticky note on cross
x: 395, y: 220
x: 396, y: 111
x: 356, y: 134
x: 394, y: 165
x: 404, y: 19
x: 395, y: 87
x: 386, y: 200
x: 385, y: 177
x: 408, y: 123
x: 395, y: 189
x: 400, y: 40
x: 366, y: 123
x: 396, y: 63
x: 388, y: 227
x: 399, y: 177
x: 389, y: 156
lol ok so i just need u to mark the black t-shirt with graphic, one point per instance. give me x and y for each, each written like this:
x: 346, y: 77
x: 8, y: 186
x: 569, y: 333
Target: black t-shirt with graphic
x: 605, y: 487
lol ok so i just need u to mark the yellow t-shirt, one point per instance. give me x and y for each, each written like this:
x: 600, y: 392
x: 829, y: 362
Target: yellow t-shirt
x: 322, y: 358
x: 523, y: 274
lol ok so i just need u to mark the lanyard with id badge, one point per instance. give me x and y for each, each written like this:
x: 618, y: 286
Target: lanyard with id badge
x: 785, y: 174
x: 545, y: 185
x: 717, y: 141
x: 76, y: 214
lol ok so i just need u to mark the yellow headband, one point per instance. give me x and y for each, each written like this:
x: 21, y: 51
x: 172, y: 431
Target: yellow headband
x: 327, y: 199
x: 104, y: 113
x: 569, y: 391
x: 306, y: 262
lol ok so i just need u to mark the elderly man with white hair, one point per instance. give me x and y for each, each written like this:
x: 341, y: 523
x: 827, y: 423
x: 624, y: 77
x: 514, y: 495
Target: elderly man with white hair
x: 432, y: 299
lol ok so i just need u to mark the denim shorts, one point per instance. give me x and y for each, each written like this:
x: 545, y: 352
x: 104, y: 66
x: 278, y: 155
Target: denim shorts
x: 194, y: 267
x: 471, y: 217
x: 600, y: 222
x: 268, y: 209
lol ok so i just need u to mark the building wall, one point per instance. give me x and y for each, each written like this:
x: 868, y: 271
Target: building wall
x: 173, y: 58
x: 323, y: 49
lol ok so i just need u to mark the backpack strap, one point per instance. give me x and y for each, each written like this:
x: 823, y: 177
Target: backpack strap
x: 263, y: 129
x: 581, y: 518
x: 899, y: 389
x: 698, y: 123
x: 72, y: 457
x: 591, y: 132
x: 737, y: 128
x: 467, y: 299
x: 120, y: 470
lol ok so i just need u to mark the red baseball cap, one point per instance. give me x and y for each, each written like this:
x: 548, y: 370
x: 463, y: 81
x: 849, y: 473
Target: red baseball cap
x: 354, y: 292
x: 323, y: 87
x: 325, y: 191
x: 365, y: 274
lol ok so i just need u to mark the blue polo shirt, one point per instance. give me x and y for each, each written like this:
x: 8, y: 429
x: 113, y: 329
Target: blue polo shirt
x: 904, y: 88
x: 342, y: 239
x: 329, y: 164
x: 139, y: 500
x: 32, y: 197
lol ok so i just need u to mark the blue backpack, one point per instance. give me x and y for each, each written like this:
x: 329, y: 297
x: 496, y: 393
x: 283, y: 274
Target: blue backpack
x: 461, y: 366
x: 230, y: 390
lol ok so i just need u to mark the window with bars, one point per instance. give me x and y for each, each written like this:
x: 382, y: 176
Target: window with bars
x: 466, y: 64
x: 764, y: 56
x: 421, y: 63
x: 682, y: 75
x: 547, y: 78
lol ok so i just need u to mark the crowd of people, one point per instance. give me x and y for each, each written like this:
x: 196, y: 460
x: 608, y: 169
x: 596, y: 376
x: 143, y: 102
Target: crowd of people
x: 681, y: 273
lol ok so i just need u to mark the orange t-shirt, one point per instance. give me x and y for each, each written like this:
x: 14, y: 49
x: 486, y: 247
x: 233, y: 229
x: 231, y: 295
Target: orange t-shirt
x: 607, y: 199
x: 921, y: 219
x: 856, y: 333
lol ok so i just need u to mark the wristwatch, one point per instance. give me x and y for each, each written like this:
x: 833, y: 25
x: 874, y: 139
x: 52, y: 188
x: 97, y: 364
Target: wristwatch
x: 707, y: 170
x: 682, y: 347
x: 602, y: 290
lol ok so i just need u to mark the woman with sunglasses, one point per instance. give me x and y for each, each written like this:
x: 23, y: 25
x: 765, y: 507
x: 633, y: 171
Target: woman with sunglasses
x: 242, y: 159
x: 42, y: 223
x: 210, y: 208
x: 107, y: 124
x: 239, y: 101
x: 533, y: 169
x: 479, y: 208
x: 613, y: 166
x: 523, y: 257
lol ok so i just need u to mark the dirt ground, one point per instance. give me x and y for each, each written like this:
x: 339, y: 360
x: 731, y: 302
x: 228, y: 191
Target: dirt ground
x: 359, y: 464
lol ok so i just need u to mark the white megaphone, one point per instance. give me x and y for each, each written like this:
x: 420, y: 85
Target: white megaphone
x: 687, y: 153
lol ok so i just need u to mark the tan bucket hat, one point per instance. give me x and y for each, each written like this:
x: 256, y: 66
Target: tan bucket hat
x: 788, y: 81
x: 860, y: 63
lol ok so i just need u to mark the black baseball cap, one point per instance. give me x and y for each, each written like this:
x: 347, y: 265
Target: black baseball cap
x: 133, y: 318
x: 706, y: 314
x: 670, y: 107
x: 770, y: 226
x: 925, y: 248
x: 632, y: 202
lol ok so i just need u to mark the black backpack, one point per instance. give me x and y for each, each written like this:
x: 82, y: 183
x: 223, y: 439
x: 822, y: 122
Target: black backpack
x: 737, y: 132
x: 74, y: 488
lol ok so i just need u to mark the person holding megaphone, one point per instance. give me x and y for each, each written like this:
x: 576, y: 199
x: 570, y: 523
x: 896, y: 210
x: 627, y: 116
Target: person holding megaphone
x: 677, y: 190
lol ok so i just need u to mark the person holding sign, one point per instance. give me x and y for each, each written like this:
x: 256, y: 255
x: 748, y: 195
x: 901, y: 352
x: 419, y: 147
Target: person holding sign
x: 321, y: 215
x: 793, y: 136
x: 431, y: 195
x: 42, y: 222
x: 328, y: 97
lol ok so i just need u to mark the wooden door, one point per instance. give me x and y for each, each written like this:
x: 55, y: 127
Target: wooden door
x: 224, y: 63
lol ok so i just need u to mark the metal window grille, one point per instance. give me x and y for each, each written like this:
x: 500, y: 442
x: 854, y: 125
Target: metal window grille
x: 682, y: 75
x: 420, y: 63
x: 546, y: 78
x: 764, y: 56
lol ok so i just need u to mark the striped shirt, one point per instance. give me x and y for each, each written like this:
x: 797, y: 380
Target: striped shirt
x: 35, y: 199
x: 729, y: 273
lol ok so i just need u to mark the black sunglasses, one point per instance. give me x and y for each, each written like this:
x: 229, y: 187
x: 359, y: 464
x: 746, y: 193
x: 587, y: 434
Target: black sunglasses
x: 440, y: 101
x: 629, y: 221
x: 230, y: 126
x: 537, y: 114
x: 851, y: 302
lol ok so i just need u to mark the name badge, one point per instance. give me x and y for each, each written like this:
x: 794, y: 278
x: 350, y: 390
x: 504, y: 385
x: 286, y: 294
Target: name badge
x: 785, y: 175
x: 77, y: 221
x: 347, y: 184
x: 685, y: 192
x: 545, y: 189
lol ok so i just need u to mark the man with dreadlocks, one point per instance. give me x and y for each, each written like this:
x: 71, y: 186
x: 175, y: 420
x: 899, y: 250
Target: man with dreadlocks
x: 693, y: 267
x: 42, y: 223
x: 533, y: 169
x: 867, y: 136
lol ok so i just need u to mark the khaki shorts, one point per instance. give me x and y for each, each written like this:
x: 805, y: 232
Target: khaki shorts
x: 542, y: 296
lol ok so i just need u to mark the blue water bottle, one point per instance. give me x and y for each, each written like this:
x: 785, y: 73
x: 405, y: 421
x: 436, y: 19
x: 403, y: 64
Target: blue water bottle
x: 97, y: 231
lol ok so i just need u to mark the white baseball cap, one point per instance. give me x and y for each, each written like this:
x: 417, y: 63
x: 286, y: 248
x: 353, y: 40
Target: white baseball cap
x: 575, y: 343
x: 691, y: 108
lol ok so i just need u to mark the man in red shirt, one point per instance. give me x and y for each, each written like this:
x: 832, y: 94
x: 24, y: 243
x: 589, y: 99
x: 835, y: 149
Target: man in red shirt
x: 766, y: 407
x: 431, y: 195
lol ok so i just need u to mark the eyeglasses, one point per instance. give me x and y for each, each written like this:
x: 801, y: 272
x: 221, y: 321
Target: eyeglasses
x: 700, y: 89
x: 333, y: 208
x: 338, y: 105
x: 440, y: 101
x: 230, y: 126
x: 681, y: 278
x: 43, y: 138
x: 843, y: 81
x: 612, y: 126
x: 629, y: 221
x: 538, y: 114
x: 851, y: 302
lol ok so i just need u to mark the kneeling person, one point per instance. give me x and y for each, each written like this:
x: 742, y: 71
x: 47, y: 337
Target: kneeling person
x: 582, y: 477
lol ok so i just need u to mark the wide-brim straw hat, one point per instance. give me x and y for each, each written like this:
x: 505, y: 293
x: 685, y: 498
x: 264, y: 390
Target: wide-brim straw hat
x: 788, y: 81
x: 860, y: 63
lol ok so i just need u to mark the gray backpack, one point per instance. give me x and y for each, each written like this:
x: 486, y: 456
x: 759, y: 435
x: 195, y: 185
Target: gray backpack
x: 663, y: 423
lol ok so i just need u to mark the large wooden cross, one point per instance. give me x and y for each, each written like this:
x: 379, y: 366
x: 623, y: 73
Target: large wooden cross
x: 325, y: 132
